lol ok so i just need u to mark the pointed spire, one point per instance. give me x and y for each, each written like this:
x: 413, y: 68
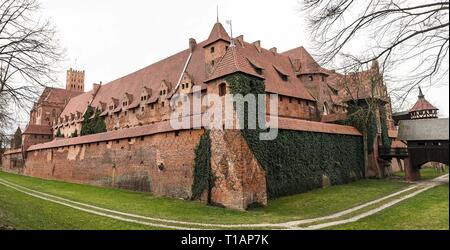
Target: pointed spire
x: 217, y: 33
x: 421, y: 95
x: 218, y: 14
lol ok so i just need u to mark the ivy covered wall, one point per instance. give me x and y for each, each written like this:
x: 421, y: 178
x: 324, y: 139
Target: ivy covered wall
x: 202, y: 167
x: 297, y: 161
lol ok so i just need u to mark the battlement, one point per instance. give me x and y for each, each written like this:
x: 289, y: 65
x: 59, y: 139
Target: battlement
x: 75, y: 80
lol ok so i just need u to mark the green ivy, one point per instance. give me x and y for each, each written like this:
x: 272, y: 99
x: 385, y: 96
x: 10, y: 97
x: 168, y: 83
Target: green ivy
x: 202, y: 167
x: 296, y: 161
x: 74, y: 134
x: 364, y: 119
x: 385, y: 139
x: 59, y: 134
x: 92, y: 126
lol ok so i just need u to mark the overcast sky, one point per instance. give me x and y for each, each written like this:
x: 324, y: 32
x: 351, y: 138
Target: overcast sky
x: 112, y: 38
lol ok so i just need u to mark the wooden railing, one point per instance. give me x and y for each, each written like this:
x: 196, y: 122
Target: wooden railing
x: 393, y: 152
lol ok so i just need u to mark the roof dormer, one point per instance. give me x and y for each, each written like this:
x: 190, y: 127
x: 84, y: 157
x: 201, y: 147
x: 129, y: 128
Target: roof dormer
x: 146, y: 93
x: 127, y: 100
x: 284, y: 76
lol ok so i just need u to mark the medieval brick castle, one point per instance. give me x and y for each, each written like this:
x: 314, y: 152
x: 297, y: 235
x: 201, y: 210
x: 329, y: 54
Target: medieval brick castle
x: 141, y: 151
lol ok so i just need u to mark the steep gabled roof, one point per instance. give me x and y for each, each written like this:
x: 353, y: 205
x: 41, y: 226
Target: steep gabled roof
x: 232, y: 62
x: 307, y: 64
x: 272, y: 63
x: 38, y: 130
x: 151, y: 77
x: 217, y: 33
x: 422, y: 103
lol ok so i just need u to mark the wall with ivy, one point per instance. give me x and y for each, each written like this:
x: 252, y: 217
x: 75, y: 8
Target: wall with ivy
x: 202, y: 167
x: 296, y: 161
x: 385, y: 139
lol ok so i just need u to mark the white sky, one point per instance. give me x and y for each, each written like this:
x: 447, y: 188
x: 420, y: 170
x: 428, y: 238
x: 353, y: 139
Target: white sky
x: 112, y: 38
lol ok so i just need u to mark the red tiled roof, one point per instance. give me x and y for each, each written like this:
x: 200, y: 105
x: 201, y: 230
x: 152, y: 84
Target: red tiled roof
x: 334, y: 117
x: 108, y: 136
x: 307, y: 64
x: 230, y: 63
x: 268, y: 60
x: 13, y: 151
x: 423, y: 104
x: 317, y: 127
x: 393, y: 133
x: 165, y: 126
x: 398, y: 144
x: 56, y: 96
x: 151, y: 77
x: 217, y: 33
x: 38, y: 130
x: 170, y: 70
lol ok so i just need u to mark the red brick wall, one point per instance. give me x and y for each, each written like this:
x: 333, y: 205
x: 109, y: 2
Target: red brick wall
x: 239, y: 180
x: 30, y: 140
x: 161, y: 164
x: 12, y: 163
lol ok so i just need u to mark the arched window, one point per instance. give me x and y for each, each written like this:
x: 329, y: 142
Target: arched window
x: 222, y: 89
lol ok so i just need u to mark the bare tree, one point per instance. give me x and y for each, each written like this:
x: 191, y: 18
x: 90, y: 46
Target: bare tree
x: 5, y: 119
x: 413, y: 35
x: 29, y: 53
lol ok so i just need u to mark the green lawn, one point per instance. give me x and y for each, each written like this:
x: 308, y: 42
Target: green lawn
x: 426, y: 173
x: 428, y: 210
x: 22, y: 211
x: 16, y: 208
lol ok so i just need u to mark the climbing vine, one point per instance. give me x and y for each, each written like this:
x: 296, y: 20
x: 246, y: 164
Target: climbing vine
x: 202, y: 167
x: 92, y: 125
x: 385, y: 139
x: 363, y: 118
x: 296, y: 161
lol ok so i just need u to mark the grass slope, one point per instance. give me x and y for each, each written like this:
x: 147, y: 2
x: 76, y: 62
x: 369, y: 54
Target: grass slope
x: 308, y: 205
x: 426, y: 173
x: 22, y: 211
x: 428, y: 210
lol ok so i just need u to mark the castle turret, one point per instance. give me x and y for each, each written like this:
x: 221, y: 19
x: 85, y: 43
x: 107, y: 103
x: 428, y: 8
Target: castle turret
x: 423, y: 109
x: 216, y: 46
x: 75, y: 80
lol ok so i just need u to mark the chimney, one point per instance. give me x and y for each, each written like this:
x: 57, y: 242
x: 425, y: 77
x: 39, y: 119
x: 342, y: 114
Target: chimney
x: 192, y: 44
x: 273, y: 50
x: 258, y: 45
x: 240, y: 39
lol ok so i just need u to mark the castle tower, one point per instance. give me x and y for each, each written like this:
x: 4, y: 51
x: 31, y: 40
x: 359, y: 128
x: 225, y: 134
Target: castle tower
x: 75, y: 80
x: 216, y: 46
x: 423, y: 109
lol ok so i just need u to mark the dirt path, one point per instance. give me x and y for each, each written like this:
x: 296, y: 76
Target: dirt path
x: 400, y: 196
